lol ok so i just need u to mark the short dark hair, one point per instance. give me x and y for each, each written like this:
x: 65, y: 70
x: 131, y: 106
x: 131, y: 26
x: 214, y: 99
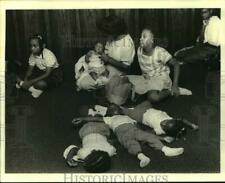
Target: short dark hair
x: 39, y: 38
x: 113, y: 109
x: 174, y: 128
x: 97, y: 162
x: 112, y: 25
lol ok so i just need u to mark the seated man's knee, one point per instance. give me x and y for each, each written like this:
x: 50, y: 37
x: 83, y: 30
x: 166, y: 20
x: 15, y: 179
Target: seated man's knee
x: 153, y: 96
x: 40, y: 85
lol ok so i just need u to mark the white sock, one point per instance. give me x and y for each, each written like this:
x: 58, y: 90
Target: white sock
x: 35, y: 92
x: 144, y: 160
x: 184, y: 91
x: 18, y: 85
x: 168, y: 151
x: 31, y: 89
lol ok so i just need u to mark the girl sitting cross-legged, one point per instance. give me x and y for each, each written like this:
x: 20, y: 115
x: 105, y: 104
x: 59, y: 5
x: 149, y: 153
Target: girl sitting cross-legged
x: 43, y: 71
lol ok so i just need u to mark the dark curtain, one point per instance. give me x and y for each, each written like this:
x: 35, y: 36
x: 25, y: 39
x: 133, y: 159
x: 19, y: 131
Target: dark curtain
x: 69, y: 32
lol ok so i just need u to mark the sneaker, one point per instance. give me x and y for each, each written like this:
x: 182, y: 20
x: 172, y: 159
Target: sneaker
x: 77, y: 122
x: 184, y: 91
x: 36, y: 94
x: 69, y: 154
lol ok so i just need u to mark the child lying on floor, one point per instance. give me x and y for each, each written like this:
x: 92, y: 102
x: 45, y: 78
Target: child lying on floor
x: 43, y: 71
x: 96, y: 150
x: 90, y: 69
x: 160, y: 121
x: 130, y: 136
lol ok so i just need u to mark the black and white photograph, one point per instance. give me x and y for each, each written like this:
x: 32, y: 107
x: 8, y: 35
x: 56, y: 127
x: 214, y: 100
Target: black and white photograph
x: 112, y: 91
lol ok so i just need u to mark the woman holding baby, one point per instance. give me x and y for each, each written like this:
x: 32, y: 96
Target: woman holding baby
x: 117, y: 55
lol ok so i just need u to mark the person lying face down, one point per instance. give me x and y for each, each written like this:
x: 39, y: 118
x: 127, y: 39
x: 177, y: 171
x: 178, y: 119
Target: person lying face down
x: 96, y: 151
x: 160, y: 121
x: 129, y: 135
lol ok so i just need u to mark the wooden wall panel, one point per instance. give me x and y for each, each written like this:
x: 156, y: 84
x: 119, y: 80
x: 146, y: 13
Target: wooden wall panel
x: 69, y: 32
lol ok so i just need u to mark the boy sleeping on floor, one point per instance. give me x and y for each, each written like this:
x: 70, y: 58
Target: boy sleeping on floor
x: 129, y: 135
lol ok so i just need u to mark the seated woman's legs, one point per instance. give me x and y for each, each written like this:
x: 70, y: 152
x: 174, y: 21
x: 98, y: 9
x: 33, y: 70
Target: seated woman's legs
x: 156, y: 96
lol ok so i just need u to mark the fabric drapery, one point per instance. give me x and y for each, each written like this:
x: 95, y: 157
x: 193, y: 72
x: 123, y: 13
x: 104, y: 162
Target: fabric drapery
x: 69, y: 32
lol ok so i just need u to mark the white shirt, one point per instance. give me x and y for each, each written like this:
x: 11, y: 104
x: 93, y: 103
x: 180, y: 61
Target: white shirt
x: 80, y: 63
x: 213, y: 31
x: 46, y: 59
x: 122, y: 50
x: 118, y: 120
x: 95, y: 141
x: 153, y: 118
x: 96, y: 65
x: 155, y: 64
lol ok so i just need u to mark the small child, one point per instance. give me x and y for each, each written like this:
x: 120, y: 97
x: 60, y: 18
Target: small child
x: 96, y: 68
x: 96, y: 150
x: 91, y: 69
x: 130, y: 136
x: 43, y: 71
x: 160, y: 121
x: 154, y: 62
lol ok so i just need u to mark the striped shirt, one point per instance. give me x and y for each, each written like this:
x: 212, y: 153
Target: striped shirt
x: 154, y: 65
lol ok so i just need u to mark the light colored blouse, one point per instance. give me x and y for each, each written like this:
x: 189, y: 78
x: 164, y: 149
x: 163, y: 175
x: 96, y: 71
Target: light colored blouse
x: 122, y: 50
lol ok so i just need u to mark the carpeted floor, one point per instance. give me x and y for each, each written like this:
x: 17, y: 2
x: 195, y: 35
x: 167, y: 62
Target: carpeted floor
x: 38, y: 130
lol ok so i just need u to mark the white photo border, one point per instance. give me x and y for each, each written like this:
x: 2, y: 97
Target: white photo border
x: 106, y: 4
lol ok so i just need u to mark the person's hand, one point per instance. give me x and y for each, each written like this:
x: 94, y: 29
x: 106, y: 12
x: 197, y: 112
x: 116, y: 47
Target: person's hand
x: 77, y: 121
x: 175, y: 91
x: 104, y: 57
x: 169, y: 139
x: 194, y: 127
x: 26, y: 85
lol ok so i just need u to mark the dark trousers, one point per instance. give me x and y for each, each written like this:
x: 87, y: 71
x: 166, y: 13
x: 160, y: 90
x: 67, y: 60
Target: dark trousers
x: 202, y: 52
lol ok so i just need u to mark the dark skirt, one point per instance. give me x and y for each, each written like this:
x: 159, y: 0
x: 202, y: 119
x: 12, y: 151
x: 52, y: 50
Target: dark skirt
x: 53, y: 80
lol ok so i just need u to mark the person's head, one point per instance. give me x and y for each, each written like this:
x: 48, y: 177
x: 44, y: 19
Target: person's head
x: 206, y: 13
x: 112, y: 26
x: 113, y: 109
x: 91, y: 56
x: 99, y: 48
x: 146, y: 39
x: 173, y: 127
x: 97, y: 162
x: 36, y: 44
